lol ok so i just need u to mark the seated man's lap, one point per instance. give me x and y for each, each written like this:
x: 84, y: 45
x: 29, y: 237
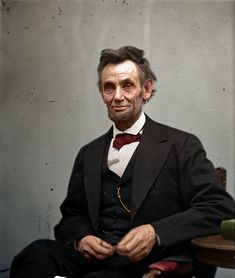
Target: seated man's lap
x: 61, y: 259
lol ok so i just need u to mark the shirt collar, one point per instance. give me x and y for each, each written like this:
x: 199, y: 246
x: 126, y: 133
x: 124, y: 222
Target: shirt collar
x: 134, y: 129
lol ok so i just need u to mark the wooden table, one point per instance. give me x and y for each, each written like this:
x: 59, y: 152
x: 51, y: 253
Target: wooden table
x: 215, y: 250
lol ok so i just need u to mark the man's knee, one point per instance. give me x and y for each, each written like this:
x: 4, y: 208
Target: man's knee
x: 37, y: 250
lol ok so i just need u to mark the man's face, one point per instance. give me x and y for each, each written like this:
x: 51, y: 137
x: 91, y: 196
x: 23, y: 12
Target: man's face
x: 123, y: 94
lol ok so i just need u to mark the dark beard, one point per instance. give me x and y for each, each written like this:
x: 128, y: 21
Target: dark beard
x: 119, y: 117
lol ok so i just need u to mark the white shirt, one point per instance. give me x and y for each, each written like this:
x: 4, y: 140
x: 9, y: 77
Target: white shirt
x: 118, y: 159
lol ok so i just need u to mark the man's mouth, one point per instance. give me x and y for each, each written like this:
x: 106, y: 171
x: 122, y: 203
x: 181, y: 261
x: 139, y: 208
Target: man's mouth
x: 118, y: 108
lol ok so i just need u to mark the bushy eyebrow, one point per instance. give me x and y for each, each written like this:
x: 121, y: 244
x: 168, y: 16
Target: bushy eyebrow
x: 109, y: 83
x: 127, y: 80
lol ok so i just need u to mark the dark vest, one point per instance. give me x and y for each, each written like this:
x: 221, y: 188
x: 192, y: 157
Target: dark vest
x: 115, y: 220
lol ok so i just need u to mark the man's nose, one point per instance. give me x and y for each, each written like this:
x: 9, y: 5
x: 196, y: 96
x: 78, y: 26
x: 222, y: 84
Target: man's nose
x: 118, y: 95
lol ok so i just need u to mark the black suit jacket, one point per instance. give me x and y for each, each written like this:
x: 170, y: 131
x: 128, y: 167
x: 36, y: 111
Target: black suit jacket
x: 175, y: 188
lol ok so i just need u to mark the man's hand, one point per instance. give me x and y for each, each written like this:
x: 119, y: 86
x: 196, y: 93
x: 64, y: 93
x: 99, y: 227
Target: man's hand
x: 138, y: 243
x: 93, y: 247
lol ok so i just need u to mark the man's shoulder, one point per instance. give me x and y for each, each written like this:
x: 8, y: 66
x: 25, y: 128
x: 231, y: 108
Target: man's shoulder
x: 173, y: 131
x: 178, y: 138
x: 168, y: 130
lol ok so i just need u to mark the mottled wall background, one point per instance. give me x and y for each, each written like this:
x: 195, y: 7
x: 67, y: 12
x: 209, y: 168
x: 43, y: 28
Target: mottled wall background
x: 50, y: 105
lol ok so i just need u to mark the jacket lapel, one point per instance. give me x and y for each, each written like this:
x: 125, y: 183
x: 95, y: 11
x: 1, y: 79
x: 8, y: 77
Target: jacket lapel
x: 93, y: 169
x: 151, y: 155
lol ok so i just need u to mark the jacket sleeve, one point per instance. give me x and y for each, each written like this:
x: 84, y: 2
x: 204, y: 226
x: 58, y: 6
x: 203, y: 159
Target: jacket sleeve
x: 75, y: 222
x: 205, y: 203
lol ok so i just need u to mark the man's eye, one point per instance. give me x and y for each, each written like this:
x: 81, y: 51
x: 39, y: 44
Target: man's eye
x: 127, y: 87
x: 108, y: 89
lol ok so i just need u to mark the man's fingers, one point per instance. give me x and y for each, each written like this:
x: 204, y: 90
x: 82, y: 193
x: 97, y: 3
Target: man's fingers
x: 137, y: 244
x: 87, y: 255
x: 128, y: 243
x: 105, y: 244
x: 104, y: 249
x: 141, y: 251
x: 94, y: 247
x: 131, y: 241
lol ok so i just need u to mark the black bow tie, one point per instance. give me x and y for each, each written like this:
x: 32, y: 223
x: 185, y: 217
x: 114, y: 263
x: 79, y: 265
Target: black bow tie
x: 125, y: 138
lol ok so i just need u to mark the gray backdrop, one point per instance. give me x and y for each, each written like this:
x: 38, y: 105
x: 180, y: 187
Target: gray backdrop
x: 50, y: 105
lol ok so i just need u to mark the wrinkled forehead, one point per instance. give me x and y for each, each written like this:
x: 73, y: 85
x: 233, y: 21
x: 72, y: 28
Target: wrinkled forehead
x: 117, y: 72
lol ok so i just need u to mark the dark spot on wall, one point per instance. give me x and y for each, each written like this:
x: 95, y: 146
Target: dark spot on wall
x: 224, y: 90
x: 6, y: 8
x: 50, y: 101
x: 60, y: 11
x: 52, y: 189
x: 7, y: 5
x: 26, y: 27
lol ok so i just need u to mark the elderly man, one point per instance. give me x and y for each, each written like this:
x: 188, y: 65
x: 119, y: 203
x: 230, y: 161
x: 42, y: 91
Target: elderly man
x: 138, y: 194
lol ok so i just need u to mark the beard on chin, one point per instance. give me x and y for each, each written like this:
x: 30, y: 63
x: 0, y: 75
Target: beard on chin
x: 119, y: 116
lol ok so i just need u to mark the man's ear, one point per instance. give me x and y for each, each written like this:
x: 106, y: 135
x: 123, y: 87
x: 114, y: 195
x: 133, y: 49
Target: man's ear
x: 147, y: 89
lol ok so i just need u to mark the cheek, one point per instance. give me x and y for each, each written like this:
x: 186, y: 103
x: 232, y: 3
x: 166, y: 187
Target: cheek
x: 106, y: 99
x: 138, y: 100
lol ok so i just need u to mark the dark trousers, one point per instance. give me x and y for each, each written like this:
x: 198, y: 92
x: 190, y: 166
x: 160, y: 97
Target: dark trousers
x: 49, y: 258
